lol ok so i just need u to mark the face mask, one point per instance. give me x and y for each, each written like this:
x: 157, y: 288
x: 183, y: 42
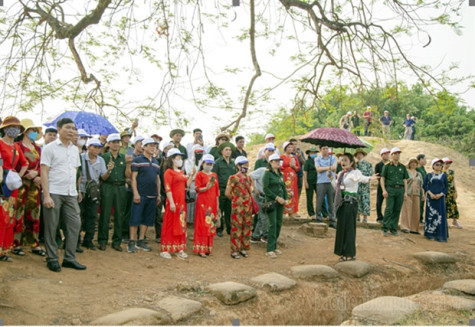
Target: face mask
x: 179, y: 162
x: 12, y: 132
x: 244, y: 169
x: 198, y: 156
x: 81, y: 143
x: 313, y: 156
x: 33, y: 135
x: 208, y: 168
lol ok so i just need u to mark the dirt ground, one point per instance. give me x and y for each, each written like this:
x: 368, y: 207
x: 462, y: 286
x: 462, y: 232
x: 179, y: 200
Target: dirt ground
x: 30, y: 294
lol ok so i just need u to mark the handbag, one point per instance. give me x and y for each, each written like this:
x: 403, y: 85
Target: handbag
x: 268, y: 206
x: 255, y: 206
x: 91, y: 187
x: 11, y: 180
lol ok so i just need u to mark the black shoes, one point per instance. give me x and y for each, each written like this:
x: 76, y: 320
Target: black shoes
x: 332, y: 225
x: 117, y: 247
x: 79, y: 250
x: 89, y: 246
x: 53, y: 266
x: 102, y: 247
x: 73, y: 264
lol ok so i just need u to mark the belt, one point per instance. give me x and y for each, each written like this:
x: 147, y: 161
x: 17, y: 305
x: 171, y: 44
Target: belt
x: 349, y: 197
x: 116, y: 183
x: 396, y: 186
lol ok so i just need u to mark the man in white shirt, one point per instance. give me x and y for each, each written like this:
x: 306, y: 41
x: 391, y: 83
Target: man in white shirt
x: 59, y: 163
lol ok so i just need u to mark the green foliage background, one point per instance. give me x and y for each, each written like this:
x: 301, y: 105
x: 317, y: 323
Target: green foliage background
x: 440, y: 118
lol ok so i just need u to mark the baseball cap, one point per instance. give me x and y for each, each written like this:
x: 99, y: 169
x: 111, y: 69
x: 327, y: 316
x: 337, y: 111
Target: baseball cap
x: 270, y: 135
x: 208, y: 158
x: 240, y: 160
x: 174, y: 151
x: 274, y: 156
x: 94, y: 142
x: 348, y: 113
x: 436, y: 160
x: 446, y: 159
x: 395, y: 150
x: 148, y: 140
x: 83, y: 133
x: 383, y: 151
x: 286, y: 144
x: 269, y: 146
x: 113, y: 137
x: 137, y: 139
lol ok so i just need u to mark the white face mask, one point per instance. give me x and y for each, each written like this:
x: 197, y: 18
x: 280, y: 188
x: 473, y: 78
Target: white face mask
x: 179, y: 162
x: 81, y: 143
x: 208, y: 168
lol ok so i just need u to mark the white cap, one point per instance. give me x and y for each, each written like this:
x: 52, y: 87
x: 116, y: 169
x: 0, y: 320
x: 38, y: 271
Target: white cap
x: 148, y: 140
x: 167, y: 144
x: 395, y: 150
x: 239, y: 160
x: 383, y: 151
x: 435, y: 160
x: 174, y: 151
x: 208, y: 158
x: 386, y: 111
x: 269, y: 146
x: 286, y: 144
x: 113, y: 137
x: 446, y: 159
x: 83, y: 133
x: 268, y: 136
x: 348, y: 113
x: 274, y: 156
x: 137, y: 139
x: 93, y: 141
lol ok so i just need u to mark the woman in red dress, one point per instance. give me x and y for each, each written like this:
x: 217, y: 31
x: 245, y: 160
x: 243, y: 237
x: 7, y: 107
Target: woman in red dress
x: 290, y: 167
x: 207, y: 188
x: 174, y: 219
x: 10, y: 129
x: 29, y: 195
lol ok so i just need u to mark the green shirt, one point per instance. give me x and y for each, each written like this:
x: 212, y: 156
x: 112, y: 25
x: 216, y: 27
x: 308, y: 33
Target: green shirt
x: 125, y: 150
x: 423, y: 171
x: 309, y: 167
x: 223, y: 170
x: 394, y: 175
x: 274, y: 185
x: 215, y: 153
x: 117, y: 174
x: 260, y: 163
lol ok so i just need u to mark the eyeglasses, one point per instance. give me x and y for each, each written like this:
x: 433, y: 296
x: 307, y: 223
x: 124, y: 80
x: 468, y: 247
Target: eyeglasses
x: 438, y: 164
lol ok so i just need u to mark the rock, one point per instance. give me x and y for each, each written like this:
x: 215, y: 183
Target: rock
x: 385, y: 310
x: 135, y: 316
x: 432, y: 257
x: 354, y: 268
x: 462, y: 285
x: 438, y: 301
x: 273, y: 282
x: 231, y: 292
x: 313, y: 272
x: 75, y: 322
x: 179, y: 308
x: 352, y: 322
x: 314, y: 229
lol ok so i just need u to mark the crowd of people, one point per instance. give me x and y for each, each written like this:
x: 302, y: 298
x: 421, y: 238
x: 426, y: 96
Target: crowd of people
x: 351, y: 123
x: 61, y: 192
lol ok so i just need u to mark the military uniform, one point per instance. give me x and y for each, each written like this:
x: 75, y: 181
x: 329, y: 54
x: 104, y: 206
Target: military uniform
x: 224, y: 170
x: 260, y: 163
x: 423, y: 172
x: 113, y: 194
x: 394, y: 183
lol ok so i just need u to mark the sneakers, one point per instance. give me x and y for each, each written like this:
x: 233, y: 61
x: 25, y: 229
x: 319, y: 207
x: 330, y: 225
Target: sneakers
x: 263, y: 239
x: 142, y: 246
x: 131, y: 247
x: 385, y: 233
x: 271, y: 255
x: 278, y: 252
x: 165, y: 255
x: 182, y: 255
x: 255, y: 240
x: 456, y: 224
x: 394, y: 233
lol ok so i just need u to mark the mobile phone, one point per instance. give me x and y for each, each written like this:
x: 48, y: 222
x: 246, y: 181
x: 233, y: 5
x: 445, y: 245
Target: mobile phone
x: 200, y: 137
x: 212, y: 179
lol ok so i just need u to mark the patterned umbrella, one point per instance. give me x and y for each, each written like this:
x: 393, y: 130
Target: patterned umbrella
x: 333, y: 137
x: 92, y: 123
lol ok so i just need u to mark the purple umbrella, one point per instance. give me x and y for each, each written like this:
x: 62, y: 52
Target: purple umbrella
x: 92, y: 123
x: 333, y: 137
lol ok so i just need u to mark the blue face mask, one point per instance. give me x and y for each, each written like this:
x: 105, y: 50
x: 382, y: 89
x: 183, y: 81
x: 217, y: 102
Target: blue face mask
x: 33, y: 135
x: 312, y: 155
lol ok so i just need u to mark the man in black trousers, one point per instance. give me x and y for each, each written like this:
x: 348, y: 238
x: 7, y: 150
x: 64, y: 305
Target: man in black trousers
x: 379, y: 195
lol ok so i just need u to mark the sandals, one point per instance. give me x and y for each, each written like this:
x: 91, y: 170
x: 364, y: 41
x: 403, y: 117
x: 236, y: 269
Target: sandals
x: 39, y: 251
x: 244, y: 254
x: 6, y: 258
x: 18, y: 251
x: 234, y: 255
x: 343, y: 259
x: 202, y: 255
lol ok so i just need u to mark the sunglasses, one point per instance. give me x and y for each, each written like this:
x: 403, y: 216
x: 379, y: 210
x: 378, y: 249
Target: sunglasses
x: 438, y: 164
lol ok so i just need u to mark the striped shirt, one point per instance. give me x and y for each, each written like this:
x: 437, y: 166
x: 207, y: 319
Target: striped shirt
x: 147, y: 172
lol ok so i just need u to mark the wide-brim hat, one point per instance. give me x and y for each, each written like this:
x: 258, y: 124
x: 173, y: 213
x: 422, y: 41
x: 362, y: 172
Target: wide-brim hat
x: 12, y: 121
x: 360, y: 150
x: 28, y: 123
x: 225, y: 145
x: 220, y: 135
x: 177, y: 131
x: 125, y: 133
x: 312, y: 149
x: 411, y: 160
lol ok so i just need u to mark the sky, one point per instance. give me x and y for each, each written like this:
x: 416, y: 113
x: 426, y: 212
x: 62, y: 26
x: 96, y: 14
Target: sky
x: 445, y: 48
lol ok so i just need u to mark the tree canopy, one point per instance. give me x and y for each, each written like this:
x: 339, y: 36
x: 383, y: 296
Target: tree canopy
x: 81, y: 51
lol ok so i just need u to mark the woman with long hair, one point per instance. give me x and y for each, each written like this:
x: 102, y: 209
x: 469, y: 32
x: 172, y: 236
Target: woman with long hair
x: 174, y: 219
x: 451, y: 198
x: 290, y: 167
x: 346, y: 206
x: 207, y: 189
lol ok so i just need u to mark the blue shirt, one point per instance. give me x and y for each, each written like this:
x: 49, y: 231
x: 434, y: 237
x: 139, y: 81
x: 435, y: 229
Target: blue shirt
x: 409, y: 122
x: 96, y: 170
x: 148, y: 170
x: 322, y: 162
x: 386, y: 120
